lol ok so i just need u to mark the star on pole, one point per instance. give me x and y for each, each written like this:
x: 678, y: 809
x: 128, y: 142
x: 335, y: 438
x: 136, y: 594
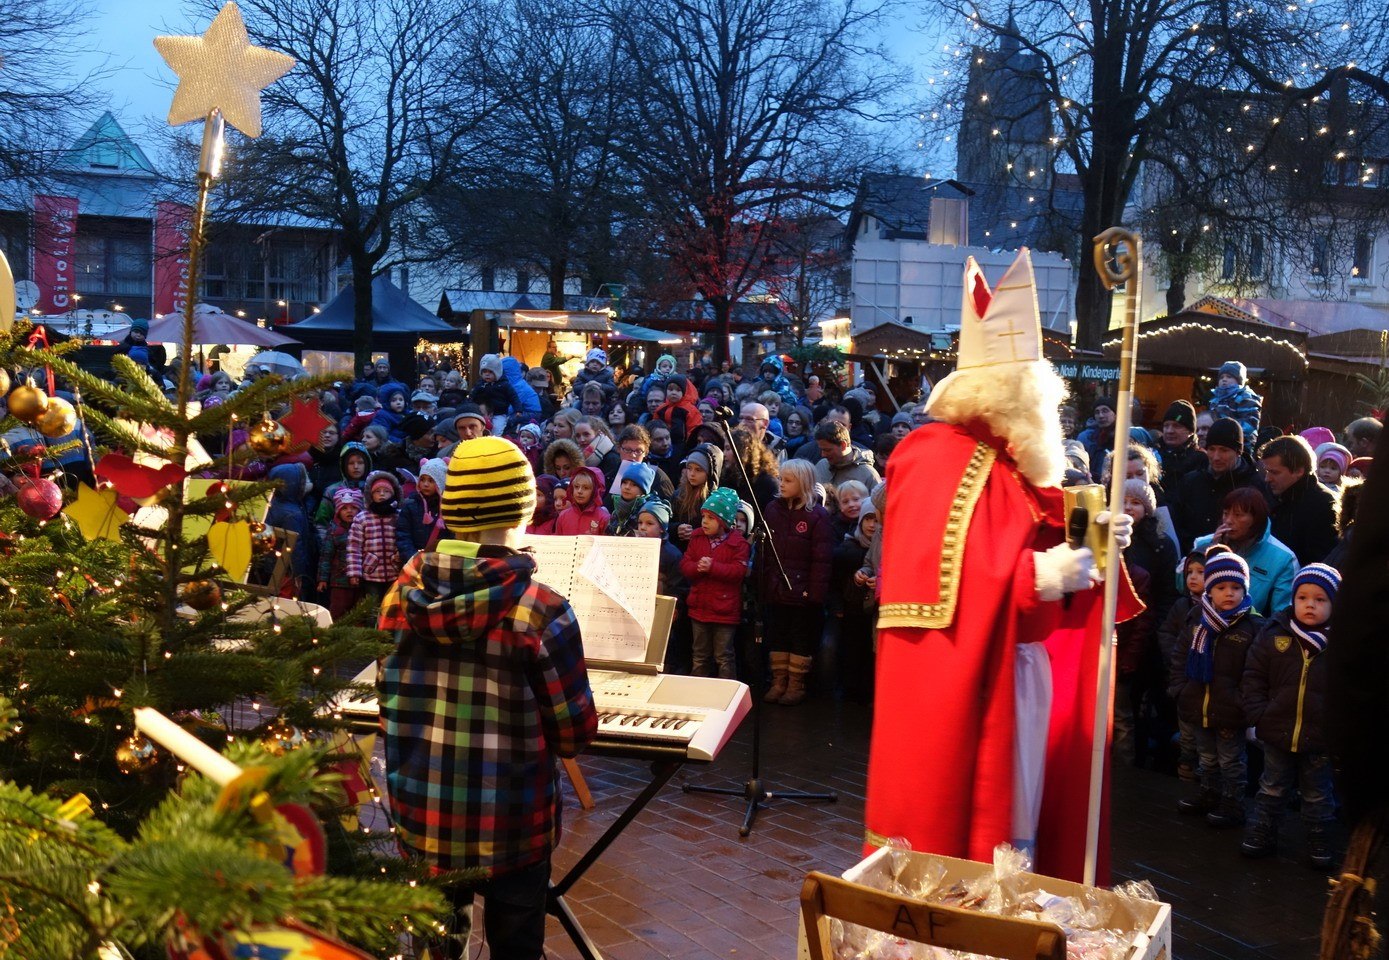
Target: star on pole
x: 221, y: 70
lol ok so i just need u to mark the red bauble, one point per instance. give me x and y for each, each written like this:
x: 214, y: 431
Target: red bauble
x: 40, y: 499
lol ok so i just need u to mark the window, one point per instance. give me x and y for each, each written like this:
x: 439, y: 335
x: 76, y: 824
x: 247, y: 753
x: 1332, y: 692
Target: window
x: 949, y: 222
x: 1256, y: 256
x: 286, y: 270
x: 1228, y: 261
x: 523, y: 281
x: 1320, y: 265
x: 1362, y: 261
x: 113, y: 264
x: 487, y: 279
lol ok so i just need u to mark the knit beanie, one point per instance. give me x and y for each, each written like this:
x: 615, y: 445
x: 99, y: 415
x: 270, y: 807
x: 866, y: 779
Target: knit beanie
x: 642, y: 474
x: 1226, y: 566
x: 1317, y: 436
x: 416, y: 425
x: 533, y: 429
x: 140, y: 324
x: 708, y: 457
x: 722, y: 503
x: 1107, y: 402
x: 436, y: 470
x: 659, y: 510
x: 596, y: 354
x: 1181, y: 412
x: 1363, y: 464
x: 346, y: 495
x: 1226, y: 432
x: 1235, y: 369
x: 1321, y: 575
x: 489, y: 487
x: 140, y: 355
x: 1142, y: 491
x: 903, y: 417
x: 469, y: 409
x: 1336, y: 453
x: 490, y: 361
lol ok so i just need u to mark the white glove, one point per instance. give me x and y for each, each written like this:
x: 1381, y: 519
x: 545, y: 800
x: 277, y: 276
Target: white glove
x: 1123, y: 528
x: 1062, y: 570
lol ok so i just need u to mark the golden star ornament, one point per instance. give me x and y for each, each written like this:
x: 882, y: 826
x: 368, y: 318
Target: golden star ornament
x: 221, y: 70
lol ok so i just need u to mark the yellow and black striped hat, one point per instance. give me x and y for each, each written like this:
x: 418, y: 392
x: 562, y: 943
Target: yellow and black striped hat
x: 489, y: 486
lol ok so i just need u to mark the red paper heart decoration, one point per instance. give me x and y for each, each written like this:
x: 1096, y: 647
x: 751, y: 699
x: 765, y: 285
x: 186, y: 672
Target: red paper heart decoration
x: 134, y: 480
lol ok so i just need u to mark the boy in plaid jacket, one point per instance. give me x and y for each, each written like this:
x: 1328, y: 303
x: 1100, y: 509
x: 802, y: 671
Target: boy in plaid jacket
x: 485, y: 691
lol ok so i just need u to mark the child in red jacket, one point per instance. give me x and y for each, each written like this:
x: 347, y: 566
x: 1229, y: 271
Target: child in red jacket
x: 585, y: 513
x: 715, y: 563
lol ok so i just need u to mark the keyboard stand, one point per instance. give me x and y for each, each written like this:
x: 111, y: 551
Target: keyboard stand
x: 670, y: 760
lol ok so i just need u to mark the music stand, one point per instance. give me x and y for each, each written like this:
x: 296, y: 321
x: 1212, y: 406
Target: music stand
x: 754, y: 791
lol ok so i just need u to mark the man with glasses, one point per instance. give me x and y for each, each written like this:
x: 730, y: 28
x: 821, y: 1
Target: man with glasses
x: 755, y: 419
x: 633, y: 444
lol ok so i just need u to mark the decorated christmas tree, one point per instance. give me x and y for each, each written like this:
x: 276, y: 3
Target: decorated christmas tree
x: 128, y: 597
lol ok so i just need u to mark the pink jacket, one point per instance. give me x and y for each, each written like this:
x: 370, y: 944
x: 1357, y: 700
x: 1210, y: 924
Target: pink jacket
x: 575, y: 522
x: 371, y: 549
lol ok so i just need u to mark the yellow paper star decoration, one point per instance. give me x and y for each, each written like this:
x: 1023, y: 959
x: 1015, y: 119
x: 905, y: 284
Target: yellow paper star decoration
x: 96, y: 513
x: 221, y: 70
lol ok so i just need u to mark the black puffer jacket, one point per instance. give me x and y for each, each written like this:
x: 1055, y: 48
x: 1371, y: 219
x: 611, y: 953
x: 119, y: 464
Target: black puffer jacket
x: 1304, y: 520
x: 1218, y: 704
x: 1177, y: 462
x: 1284, y: 689
x: 1195, y: 499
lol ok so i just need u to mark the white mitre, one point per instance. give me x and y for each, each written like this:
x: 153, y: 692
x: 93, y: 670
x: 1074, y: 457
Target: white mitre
x: 1000, y: 327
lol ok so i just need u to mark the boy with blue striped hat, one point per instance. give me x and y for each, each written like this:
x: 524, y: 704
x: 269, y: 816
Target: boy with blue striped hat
x: 1285, y: 690
x: 1207, y: 670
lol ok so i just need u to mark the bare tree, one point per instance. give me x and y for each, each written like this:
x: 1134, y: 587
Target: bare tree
x: 377, y: 114
x: 1120, y: 83
x: 41, y: 92
x: 735, y: 106
x: 543, y: 188
x: 807, y: 269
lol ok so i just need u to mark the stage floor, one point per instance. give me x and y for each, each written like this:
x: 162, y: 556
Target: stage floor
x: 680, y: 883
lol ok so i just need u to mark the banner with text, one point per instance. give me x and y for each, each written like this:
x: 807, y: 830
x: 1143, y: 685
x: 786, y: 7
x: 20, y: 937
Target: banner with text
x: 172, y: 224
x: 55, y: 242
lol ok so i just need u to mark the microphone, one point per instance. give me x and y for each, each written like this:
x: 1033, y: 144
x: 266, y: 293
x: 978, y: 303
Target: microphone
x: 1077, y: 524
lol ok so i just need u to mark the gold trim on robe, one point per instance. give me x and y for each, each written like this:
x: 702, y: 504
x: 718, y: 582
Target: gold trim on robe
x: 938, y: 615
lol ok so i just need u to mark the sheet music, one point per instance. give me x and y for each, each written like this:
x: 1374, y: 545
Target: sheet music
x: 611, y: 584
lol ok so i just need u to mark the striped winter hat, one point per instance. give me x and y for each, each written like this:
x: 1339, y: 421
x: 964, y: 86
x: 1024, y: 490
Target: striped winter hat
x: 489, y: 487
x: 1321, y: 575
x: 1224, y: 564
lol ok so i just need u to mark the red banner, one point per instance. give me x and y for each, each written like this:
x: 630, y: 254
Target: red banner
x: 172, y: 224
x: 55, y: 241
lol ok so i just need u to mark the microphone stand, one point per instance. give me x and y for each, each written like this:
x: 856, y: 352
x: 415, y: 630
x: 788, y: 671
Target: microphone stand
x: 754, y: 791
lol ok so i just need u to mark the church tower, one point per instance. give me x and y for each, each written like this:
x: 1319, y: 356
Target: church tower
x: 1006, y: 124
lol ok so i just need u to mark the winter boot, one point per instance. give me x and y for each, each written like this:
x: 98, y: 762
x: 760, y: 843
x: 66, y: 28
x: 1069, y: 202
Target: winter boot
x: 1319, y: 853
x: 1228, y: 813
x: 780, y: 668
x: 1203, y: 802
x: 795, y: 686
x: 1260, y: 837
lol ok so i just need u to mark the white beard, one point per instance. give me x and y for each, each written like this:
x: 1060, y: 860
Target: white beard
x: 1019, y: 403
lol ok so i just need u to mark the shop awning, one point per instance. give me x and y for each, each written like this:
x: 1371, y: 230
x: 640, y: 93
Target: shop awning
x: 1198, y: 342
x: 630, y: 331
x: 555, y: 320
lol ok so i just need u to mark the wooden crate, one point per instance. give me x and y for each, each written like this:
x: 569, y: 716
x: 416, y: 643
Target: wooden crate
x: 859, y: 898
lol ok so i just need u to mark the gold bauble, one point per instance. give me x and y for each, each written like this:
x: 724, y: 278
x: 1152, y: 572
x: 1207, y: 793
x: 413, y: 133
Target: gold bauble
x: 4, y: 377
x: 202, y: 594
x: 262, y: 538
x: 268, y: 438
x: 280, y: 737
x: 136, y: 754
x: 58, y: 419
x: 27, y: 401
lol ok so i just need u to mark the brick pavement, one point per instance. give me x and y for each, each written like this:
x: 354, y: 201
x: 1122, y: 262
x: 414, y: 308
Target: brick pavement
x: 679, y: 882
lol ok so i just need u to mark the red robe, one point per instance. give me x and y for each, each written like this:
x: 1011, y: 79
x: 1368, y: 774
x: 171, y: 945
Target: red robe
x: 957, y: 594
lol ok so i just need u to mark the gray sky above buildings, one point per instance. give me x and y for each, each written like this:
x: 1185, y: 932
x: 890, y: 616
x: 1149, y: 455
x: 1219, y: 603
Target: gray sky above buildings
x: 121, y: 42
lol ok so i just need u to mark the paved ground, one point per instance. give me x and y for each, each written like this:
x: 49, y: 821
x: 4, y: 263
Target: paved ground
x: 680, y: 883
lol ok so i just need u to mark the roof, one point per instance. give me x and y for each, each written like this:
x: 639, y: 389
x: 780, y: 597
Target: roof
x: 392, y: 312
x: 106, y: 148
x: 1316, y: 317
x: 1001, y: 216
x: 678, y: 315
x: 578, y: 322
x: 1188, y: 340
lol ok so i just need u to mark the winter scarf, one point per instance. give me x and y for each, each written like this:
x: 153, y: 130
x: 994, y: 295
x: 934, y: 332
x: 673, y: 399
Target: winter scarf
x: 1200, y: 659
x: 1313, y: 641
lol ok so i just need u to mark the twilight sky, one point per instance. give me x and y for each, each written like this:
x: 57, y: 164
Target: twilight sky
x: 140, y: 85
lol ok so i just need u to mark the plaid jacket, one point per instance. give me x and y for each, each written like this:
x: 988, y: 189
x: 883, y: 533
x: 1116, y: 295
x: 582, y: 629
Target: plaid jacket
x: 371, y: 549
x: 485, y: 690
